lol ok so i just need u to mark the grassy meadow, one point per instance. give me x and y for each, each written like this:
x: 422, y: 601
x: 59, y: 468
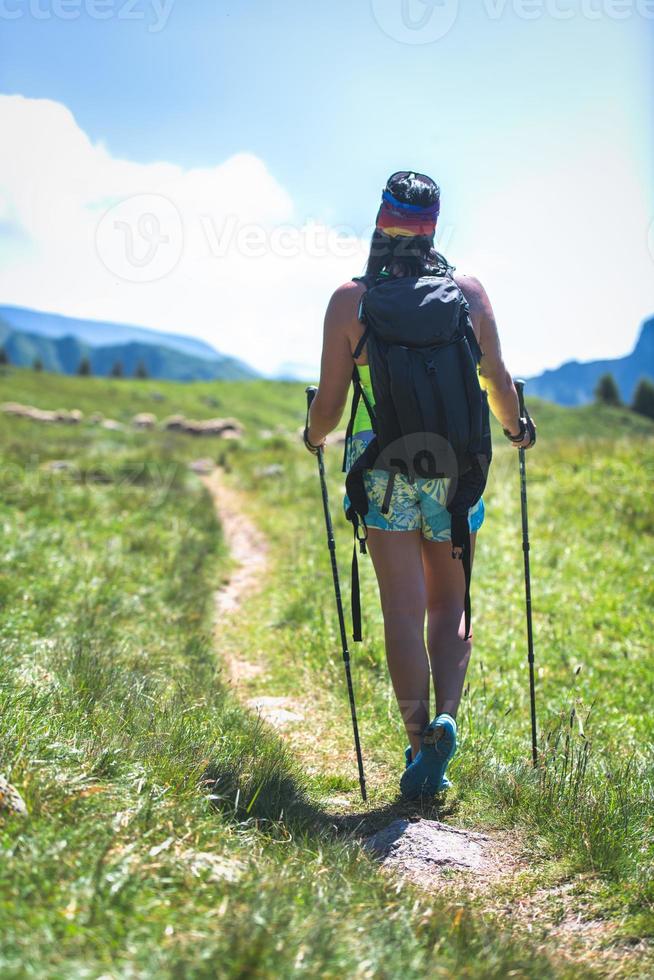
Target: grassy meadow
x: 172, y: 833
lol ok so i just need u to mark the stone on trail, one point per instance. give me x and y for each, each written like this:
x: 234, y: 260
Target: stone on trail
x: 423, y: 848
x: 277, y: 711
x: 10, y: 799
x: 144, y: 420
x: 202, y: 466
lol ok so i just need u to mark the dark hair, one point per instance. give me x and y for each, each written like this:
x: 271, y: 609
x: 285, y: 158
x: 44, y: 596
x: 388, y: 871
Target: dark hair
x: 415, y: 256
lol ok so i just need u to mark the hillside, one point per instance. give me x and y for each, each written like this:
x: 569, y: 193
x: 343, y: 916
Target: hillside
x: 164, y: 811
x: 63, y: 355
x: 59, y: 342
x: 574, y: 382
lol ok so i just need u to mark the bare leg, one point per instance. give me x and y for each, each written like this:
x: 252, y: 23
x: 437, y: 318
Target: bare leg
x: 397, y: 559
x: 449, y: 653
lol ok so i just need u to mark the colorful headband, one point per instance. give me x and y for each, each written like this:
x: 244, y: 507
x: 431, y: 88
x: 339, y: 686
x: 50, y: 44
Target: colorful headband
x: 397, y: 219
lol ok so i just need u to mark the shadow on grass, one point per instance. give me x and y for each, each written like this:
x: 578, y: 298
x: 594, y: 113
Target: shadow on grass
x: 261, y: 781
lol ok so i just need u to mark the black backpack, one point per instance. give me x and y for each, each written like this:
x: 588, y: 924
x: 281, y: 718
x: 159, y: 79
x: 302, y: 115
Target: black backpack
x: 430, y: 417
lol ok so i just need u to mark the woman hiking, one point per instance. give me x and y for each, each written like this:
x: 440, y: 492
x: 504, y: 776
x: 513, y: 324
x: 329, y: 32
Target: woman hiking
x: 422, y: 326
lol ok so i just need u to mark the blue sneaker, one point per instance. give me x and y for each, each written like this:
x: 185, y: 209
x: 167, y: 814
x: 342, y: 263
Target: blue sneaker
x: 424, y: 776
x: 445, y: 782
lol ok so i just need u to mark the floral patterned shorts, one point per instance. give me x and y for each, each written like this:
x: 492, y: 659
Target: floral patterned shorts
x: 421, y: 506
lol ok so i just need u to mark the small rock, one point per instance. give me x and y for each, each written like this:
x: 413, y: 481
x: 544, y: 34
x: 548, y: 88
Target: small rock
x: 10, y: 799
x: 74, y: 417
x: 144, y: 420
x: 274, y: 469
x: 157, y: 396
x: 276, y: 711
x: 96, y: 418
x: 41, y: 415
x: 217, y: 867
x: 58, y: 466
x: 14, y: 408
x: 111, y: 424
x: 202, y: 466
x: 428, y: 847
x: 174, y: 423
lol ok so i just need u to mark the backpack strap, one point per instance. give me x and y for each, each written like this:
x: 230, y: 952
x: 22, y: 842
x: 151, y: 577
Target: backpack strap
x: 355, y: 593
x: 356, y: 513
x: 354, y: 485
x: 461, y: 549
x: 356, y: 379
x: 359, y: 393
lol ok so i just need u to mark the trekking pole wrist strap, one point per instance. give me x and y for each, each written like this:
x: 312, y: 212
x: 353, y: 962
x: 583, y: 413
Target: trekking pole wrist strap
x: 310, y: 446
x: 526, y: 427
x: 521, y: 434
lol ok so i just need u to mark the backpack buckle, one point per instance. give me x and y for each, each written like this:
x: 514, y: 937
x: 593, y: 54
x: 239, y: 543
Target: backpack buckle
x: 361, y: 538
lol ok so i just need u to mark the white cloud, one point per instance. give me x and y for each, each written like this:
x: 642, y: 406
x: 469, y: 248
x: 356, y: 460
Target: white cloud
x: 219, y: 253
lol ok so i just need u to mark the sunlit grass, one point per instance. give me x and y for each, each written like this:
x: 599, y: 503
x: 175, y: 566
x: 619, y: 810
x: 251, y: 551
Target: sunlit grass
x: 170, y: 832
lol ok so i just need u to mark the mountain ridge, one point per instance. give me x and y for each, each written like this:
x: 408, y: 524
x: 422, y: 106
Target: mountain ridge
x: 573, y: 382
x: 60, y: 342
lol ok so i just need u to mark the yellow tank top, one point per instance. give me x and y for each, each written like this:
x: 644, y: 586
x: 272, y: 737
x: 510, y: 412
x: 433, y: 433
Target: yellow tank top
x: 362, y: 421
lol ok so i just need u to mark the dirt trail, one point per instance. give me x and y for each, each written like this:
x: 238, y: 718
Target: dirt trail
x: 248, y: 550
x: 488, y: 866
x: 399, y: 845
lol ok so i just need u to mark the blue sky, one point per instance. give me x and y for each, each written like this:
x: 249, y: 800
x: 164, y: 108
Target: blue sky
x: 535, y: 118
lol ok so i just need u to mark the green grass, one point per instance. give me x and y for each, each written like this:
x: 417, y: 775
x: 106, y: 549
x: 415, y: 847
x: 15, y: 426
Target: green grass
x: 172, y: 834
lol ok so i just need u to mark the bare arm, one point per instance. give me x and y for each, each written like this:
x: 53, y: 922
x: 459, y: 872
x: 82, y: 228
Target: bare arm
x: 493, y: 373
x: 336, y: 363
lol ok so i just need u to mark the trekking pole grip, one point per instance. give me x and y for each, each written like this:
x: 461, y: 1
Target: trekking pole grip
x: 520, y: 388
x: 311, y: 392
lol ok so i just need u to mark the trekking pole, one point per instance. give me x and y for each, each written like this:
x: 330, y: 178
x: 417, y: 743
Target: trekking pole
x: 520, y: 385
x: 331, y: 544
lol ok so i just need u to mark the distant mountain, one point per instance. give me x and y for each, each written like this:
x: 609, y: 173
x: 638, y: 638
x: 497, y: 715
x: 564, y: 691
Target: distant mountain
x: 98, y: 333
x: 574, y: 382
x: 60, y: 343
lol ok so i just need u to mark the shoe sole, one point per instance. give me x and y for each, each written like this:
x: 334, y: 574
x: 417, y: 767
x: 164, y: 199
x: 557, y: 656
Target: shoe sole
x: 445, y: 782
x: 430, y: 783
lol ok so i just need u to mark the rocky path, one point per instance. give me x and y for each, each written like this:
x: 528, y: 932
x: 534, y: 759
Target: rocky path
x: 416, y: 848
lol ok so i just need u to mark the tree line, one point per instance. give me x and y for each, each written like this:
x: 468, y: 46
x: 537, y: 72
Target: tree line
x: 606, y: 390
x: 608, y: 393
x: 84, y: 367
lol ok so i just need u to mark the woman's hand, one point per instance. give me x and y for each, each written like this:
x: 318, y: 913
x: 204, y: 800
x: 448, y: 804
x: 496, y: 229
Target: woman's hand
x: 312, y: 446
x: 526, y: 437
